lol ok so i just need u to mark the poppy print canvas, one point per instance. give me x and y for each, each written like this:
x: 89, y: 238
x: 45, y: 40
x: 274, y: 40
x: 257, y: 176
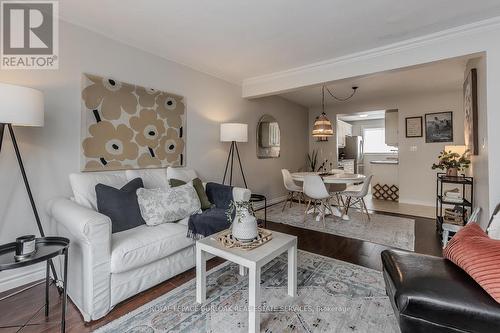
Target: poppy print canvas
x: 125, y: 126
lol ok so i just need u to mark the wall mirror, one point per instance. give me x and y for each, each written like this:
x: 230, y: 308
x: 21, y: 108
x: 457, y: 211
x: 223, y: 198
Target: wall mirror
x: 268, y: 137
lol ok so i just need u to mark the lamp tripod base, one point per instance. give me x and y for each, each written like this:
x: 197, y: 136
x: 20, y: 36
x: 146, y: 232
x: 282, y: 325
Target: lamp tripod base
x: 230, y: 158
x: 26, y: 184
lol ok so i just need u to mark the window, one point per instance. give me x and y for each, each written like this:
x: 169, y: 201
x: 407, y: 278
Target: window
x: 374, y: 141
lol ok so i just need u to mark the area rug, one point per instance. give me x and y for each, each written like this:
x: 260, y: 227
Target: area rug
x: 381, y: 229
x: 333, y: 296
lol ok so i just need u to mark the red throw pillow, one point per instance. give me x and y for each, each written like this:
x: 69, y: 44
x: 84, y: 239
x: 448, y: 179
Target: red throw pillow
x: 478, y: 255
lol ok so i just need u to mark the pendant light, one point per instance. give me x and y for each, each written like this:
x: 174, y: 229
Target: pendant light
x: 323, y: 127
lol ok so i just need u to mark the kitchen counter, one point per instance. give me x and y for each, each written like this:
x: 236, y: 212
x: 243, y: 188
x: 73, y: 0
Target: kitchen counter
x: 385, y: 162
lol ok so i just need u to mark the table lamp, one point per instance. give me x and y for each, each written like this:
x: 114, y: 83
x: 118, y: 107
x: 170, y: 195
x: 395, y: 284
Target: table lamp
x: 233, y: 132
x: 21, y: 106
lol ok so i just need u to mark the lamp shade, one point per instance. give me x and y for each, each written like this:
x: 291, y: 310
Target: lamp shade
x: 233, y: 132
x: 322, y: 126
x: 456, y: 149
x: 20, y: 106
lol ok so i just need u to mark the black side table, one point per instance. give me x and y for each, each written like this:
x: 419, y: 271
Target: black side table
x: 259, y: 198
x: 46, y: 249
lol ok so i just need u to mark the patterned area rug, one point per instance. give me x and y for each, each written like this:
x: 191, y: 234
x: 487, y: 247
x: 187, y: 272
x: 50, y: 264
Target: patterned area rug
x: 381, y: 229
x: 333, y: 296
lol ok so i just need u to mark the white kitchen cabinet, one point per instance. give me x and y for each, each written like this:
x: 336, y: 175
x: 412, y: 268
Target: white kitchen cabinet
x: 343, y: 129
x: 347, y: 165
x: 391, y: 128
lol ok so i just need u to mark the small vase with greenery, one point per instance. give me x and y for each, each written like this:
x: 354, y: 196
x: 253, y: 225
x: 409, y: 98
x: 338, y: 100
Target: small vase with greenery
x: 452, y: 162
x: 244, y: 224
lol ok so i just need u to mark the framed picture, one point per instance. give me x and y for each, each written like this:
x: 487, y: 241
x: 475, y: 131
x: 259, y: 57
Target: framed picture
x: 470, y: 112
x: 414, y: 127
x: 439, y: 127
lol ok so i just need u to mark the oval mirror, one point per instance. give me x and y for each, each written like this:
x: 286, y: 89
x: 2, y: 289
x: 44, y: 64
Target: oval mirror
x: 268, y: 137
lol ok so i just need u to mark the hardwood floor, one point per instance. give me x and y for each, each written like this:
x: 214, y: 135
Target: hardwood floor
x: 22, y: 309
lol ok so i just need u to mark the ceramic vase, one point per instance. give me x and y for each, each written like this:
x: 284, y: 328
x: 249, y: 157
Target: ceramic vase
x: 244, y: 226
x: 452, y: 172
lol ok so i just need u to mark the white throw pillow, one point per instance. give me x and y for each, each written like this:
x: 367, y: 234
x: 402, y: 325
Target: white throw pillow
x: 168, y: 204
x: 151, y: 178
x: 83, y: 185
x: 494, y: 228
x: 183, y: 174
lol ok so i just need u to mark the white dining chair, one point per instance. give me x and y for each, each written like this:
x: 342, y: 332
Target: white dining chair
x: 315, y: 190
x: 292, y: 188
x: 355, y: 195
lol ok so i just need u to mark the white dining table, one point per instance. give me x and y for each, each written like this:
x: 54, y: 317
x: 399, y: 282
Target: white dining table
x: 335, y: 178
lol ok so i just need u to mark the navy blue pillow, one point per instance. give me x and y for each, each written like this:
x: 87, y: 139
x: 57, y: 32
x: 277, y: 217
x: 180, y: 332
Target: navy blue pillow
x: 120, y: 205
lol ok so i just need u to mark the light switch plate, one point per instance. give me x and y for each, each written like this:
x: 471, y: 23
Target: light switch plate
x: 413, y: 148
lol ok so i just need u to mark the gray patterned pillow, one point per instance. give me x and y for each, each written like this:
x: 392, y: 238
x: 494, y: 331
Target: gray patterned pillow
x: 163, y: 205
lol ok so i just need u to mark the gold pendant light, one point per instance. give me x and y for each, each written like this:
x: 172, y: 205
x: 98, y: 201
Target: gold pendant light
x: 323, y: 127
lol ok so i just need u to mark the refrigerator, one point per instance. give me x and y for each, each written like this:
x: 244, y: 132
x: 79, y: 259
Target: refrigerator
x: 354, y: 151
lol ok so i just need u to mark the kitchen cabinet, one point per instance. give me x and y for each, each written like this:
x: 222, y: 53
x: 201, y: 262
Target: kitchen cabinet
x: 391, y: 128
x: 343, y: 129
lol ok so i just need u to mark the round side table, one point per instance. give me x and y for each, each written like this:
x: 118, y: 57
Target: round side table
x: 260, y: 198
x: 46, y: 249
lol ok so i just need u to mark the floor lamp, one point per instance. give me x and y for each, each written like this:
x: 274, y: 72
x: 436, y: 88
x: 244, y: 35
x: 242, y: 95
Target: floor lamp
x: 233, y: 132
x: 21, y: 106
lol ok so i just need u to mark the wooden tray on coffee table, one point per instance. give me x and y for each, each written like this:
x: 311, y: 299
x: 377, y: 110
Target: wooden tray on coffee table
x: 228, y: 241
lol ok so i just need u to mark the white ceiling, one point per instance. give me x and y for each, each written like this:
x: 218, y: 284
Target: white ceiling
x: 239, y: 39
x: 440, y: 76
x: 369, y: 115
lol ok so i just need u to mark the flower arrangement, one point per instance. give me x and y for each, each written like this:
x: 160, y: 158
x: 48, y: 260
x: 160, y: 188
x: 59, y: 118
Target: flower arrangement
x: 452, y: 162
x: 242, y: 208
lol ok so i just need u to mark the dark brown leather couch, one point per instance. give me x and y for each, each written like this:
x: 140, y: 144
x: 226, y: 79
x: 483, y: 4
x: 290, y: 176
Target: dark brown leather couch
x: 431, y: 294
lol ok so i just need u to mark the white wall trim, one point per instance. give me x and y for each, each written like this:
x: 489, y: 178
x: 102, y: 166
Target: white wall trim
x: 268, y: 84
x: 418, y: 203
x: 22, y: 278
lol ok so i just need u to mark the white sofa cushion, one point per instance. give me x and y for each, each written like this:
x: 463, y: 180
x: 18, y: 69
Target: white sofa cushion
x: 145, y: 244
x: 183, y: 174
x: 83, y: 185
x: 151, y: 178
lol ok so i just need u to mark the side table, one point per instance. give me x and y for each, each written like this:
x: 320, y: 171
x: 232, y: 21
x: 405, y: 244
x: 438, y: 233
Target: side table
x: 260, y: 198
x: 46, y: 249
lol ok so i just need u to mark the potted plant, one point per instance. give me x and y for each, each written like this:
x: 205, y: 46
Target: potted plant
x: 452, y: 162
x: 312, y: 160
x: 244, y: 224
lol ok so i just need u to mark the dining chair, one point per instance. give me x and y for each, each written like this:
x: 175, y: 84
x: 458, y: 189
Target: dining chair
x: 355, y: 195
x: 292, y: 188
x: 315, y: 190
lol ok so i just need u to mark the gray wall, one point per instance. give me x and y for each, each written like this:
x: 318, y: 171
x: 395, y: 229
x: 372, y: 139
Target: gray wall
x: 52, y: 152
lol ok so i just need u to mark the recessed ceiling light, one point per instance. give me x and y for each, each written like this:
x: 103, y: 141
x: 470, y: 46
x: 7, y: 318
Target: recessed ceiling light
x: 363, y: 115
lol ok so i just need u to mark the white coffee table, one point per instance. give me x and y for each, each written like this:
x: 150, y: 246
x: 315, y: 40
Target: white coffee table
x: 253, y: 260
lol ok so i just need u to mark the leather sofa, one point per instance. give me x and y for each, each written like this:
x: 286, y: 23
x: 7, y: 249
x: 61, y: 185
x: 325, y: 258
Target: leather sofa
x: 431, y: 294
x: 106, y: 268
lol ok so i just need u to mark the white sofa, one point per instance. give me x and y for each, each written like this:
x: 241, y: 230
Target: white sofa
x: 105, y: 268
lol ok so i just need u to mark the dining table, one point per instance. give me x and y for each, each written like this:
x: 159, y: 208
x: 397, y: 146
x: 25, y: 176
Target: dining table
x: 335, y: 177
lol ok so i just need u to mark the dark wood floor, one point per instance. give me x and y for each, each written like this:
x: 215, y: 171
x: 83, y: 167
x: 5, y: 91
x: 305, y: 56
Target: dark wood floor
x: 22, y: 308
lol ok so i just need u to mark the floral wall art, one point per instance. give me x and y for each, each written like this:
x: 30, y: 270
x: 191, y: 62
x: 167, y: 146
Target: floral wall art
x: 125, y: 126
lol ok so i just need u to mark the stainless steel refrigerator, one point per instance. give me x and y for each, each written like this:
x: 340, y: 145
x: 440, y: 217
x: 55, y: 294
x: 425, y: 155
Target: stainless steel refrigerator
x: 354, y: 150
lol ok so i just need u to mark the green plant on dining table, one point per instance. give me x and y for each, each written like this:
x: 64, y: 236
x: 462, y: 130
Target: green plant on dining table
x: 312, y: 160
x: 449, y: 160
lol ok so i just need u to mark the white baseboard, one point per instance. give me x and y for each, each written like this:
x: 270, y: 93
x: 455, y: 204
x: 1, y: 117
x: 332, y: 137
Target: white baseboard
x: 260, y: 205
x: 22, y: 278
x: 419, y: 203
